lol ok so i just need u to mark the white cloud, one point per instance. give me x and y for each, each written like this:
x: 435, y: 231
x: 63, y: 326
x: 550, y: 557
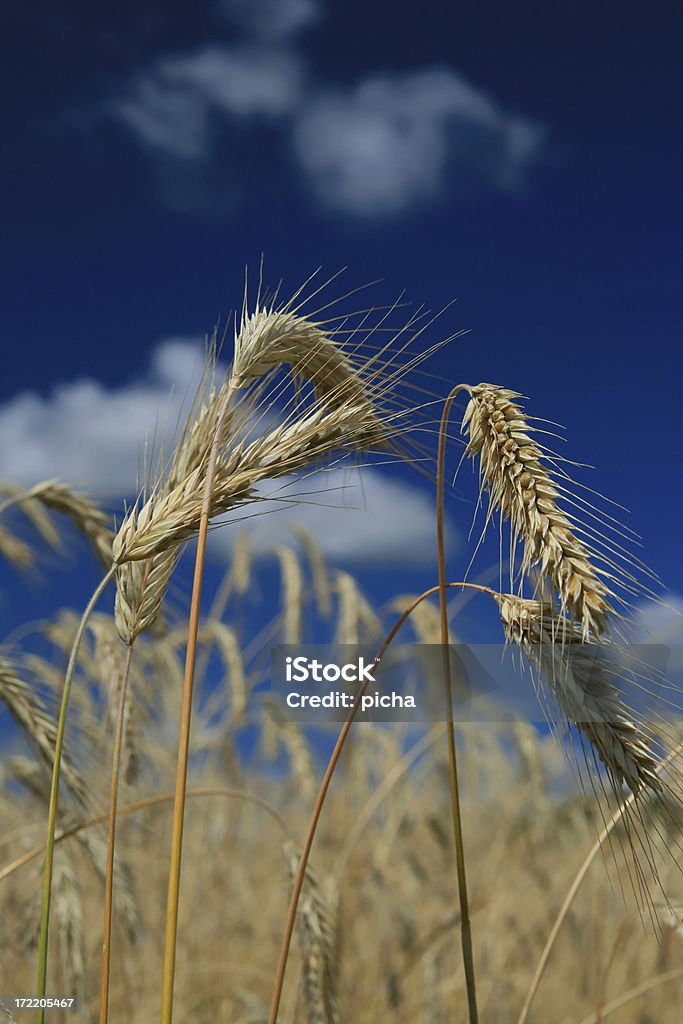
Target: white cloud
x: 271, y: 18
x: 173, y: 106
x: 394, y: 141
x: 661, y: 622
x: 366, y: 517
x: 243, y: 82
x: 387, y: 144
x: 93, y: 436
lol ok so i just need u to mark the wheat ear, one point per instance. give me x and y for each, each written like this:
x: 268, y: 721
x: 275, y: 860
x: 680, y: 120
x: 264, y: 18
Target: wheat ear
x: 15, y: 550
x: 60, y: 497
x: 580, y: 677
x: 269, y: 338
x: 292, y: 587
x: 317, y: 933
x: 29, y: 711
x: 522, y: 488
x: 69, y: 918
x: 86, y: 516
x: 167, y: 519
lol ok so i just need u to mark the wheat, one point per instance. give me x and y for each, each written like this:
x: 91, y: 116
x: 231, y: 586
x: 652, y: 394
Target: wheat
x: 29, y: 711
x: 194, y: 445
x: 228, y: 644
x: 140, y: 590
x: 141, y: 584
x: 425, y: 618
x: 33, y: 510
x: 317, y: 933
x: 298, y: 751
x: 34, y: 777
x: 321, y: 581
x: 167, y: 519
x: 240, y: 570
x: 356, y: 619
x: 15, y: 550
x: 292, y: 586
x: 522, y: 488
x: 270, y: 338
x: 68, y: 906
x: 85, y: 515
x: 581, y: 678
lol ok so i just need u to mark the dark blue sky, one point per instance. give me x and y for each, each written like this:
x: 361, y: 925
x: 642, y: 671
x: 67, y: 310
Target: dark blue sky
x: 523, y: 158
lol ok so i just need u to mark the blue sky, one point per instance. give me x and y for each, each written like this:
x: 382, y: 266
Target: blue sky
x: 523, y: 159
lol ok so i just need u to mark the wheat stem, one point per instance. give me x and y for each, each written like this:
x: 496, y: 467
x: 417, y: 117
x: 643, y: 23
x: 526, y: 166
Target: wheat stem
x: 185, y: 718
x: 465, y: 925
x: 111, y: 841
x: 41, y: 984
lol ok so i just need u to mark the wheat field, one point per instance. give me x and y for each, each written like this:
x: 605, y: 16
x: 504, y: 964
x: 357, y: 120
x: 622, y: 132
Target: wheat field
x: 115, y: 806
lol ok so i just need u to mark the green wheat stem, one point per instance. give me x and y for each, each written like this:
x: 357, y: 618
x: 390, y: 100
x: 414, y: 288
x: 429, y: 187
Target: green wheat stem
x: 465, y: 925
x: 113, y: 808
x: 41, y: 986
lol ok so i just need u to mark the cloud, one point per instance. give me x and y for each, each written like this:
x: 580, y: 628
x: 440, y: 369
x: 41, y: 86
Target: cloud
x: 658, y: 622
x: 271, y: 19
x: 172, y: 120
x: 396, y: 141
x: 358, y: 517
x: 95, y: 437
x: 377, y: 148
x: 175, y: 106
